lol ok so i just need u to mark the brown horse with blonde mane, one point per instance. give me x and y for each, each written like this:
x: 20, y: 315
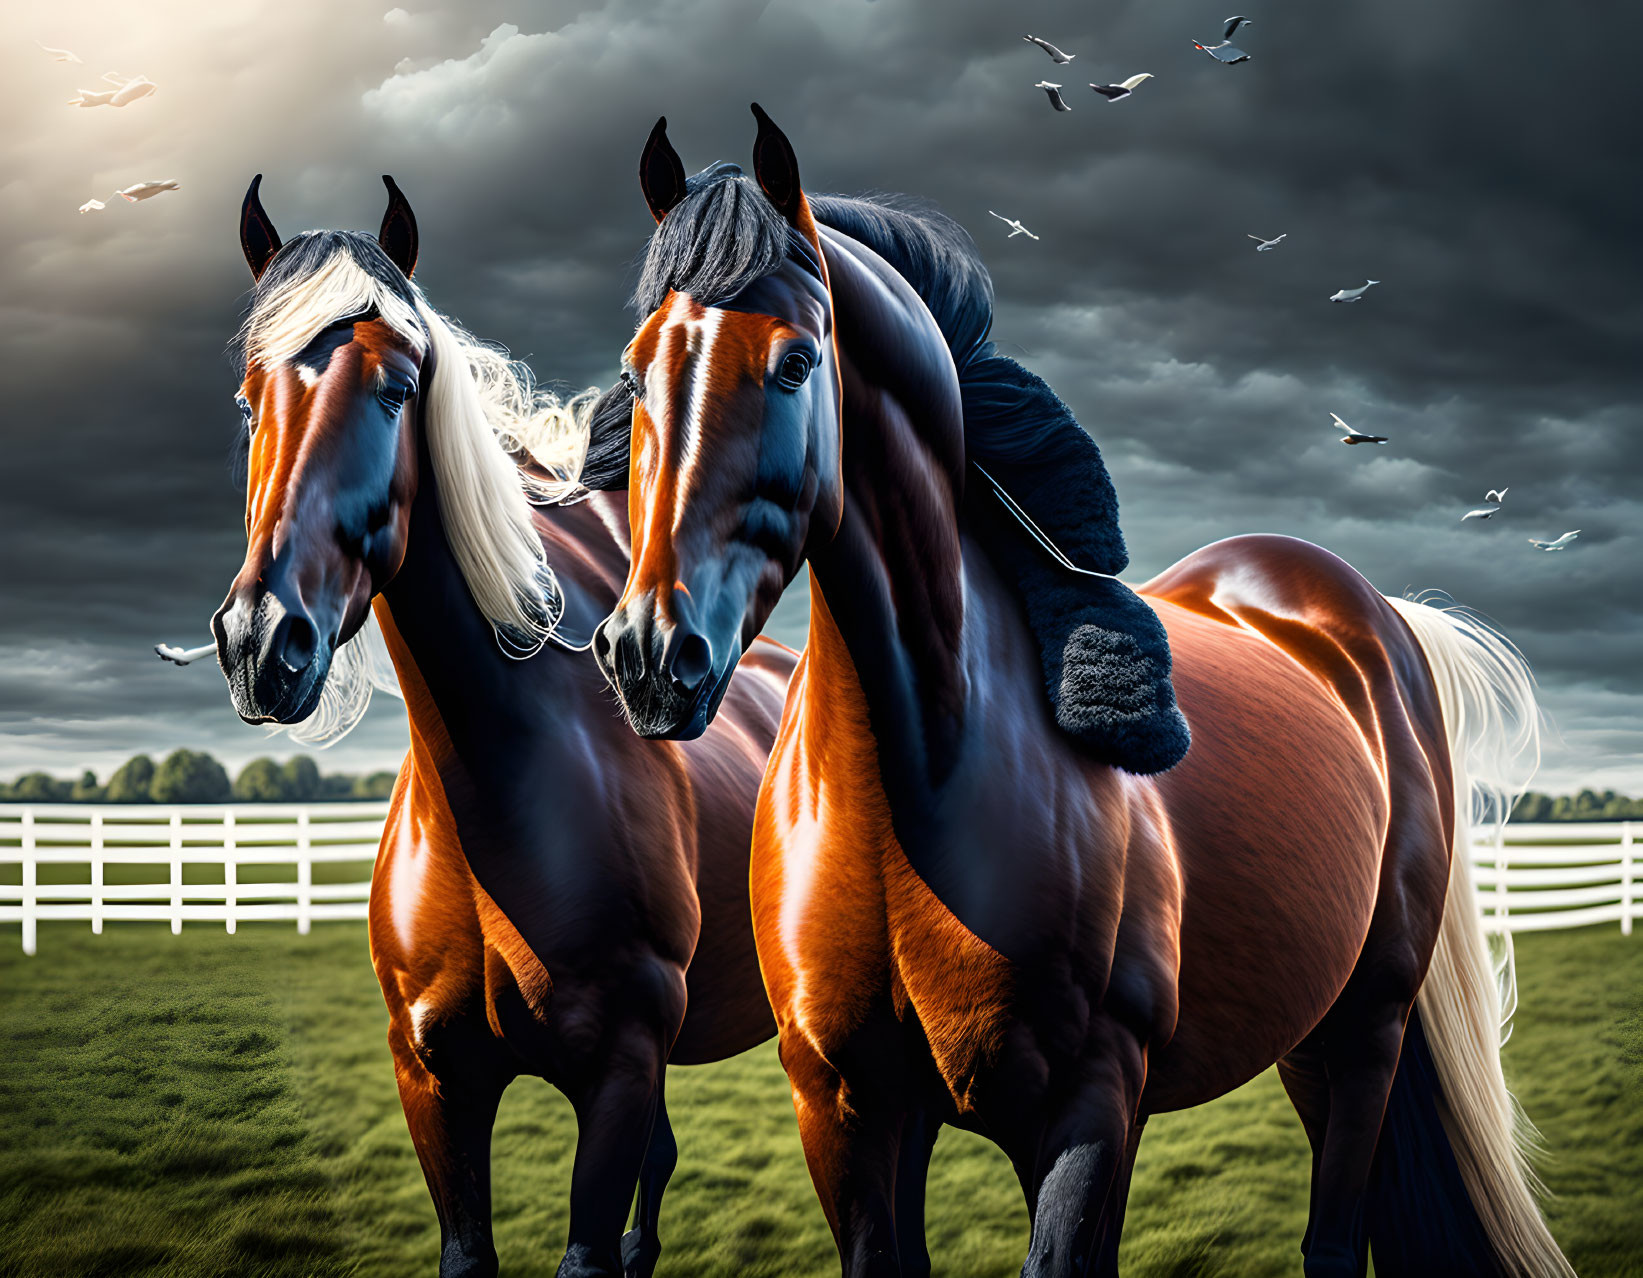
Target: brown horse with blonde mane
x: 552, y: 895
x: 983, y: 896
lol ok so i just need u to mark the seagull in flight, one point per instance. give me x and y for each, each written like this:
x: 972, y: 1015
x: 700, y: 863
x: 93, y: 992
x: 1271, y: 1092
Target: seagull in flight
x: 127, y: 89
x: 59, y: 55
x: 1123, y: 89
x: 1352, y: 294
x: 1266, y: 246
x: 146, y: 190
x: 91, y: 206
x: 1226, y: 51
x: 1560, y: 544
x: 1357, y: 436
x: 1495, y: 497
x: 1017, y: 228
x: 183, y: 656
x: 1056, y: 56
x: 1053, y: 91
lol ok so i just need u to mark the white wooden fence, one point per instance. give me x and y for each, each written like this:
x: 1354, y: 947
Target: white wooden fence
x: 248, y: 848
x: 1532, y: 877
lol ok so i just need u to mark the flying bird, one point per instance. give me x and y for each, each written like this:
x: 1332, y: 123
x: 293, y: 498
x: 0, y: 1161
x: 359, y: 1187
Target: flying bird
x: 1018, y: 229
x: 1053, y: 92
x: 91, y: 206
x: 127, y: 89
x: 1113, y: 92
x: 1496, y: 494
x: 1351, y: 294
x: 1056, y: 56
x: 1266, y: 246
x: 1226, y: 51
x: 59, y: 55
x: 1482, y: 512
x: 1357, y: 436
x: 183, y: 656
x: 1559, y: 544
x: 146, y: 190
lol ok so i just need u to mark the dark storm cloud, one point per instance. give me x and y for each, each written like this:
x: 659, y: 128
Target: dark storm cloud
x: 1401, y: 142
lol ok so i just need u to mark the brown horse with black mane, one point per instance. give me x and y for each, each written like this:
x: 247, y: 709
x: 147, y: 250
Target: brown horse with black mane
x: 552, y: 895
x: 982, y: 894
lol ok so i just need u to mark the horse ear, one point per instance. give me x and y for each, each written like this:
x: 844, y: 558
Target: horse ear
x: 258, y: 238
x: 661, y: 172
x: 398, y: 233
x: 776, y: 167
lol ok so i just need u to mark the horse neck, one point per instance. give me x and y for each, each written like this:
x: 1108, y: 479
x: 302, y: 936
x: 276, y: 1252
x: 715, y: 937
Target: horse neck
x: 891, y: 580
x: 467, y: 701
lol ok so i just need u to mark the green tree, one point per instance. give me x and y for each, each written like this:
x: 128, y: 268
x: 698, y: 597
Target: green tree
x: 301, y: 777
x: 131, y: 781
x: 40, y: 787
x: 86, y: 789
x: 189, y: 776
x: 375, y: 785
x: 260, y: 781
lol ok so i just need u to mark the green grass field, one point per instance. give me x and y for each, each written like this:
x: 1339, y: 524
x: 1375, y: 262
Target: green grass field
x: 206, y: 1104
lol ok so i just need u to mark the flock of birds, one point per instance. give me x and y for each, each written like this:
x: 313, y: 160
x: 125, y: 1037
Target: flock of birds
x: 123, y: 91
x: 1227, y: 53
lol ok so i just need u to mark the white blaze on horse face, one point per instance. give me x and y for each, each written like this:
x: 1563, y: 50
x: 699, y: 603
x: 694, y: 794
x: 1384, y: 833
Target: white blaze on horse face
x: 700, y: 332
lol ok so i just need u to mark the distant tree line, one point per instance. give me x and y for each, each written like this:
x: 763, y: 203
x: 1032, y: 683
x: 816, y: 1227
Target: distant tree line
x: 192, y: 776
x: 1588, y: 805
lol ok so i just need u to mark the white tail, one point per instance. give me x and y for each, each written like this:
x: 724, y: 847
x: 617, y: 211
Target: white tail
x: 1492, y: 723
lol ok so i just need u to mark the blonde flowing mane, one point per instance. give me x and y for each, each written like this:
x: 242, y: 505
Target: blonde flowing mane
x: 480, y: 409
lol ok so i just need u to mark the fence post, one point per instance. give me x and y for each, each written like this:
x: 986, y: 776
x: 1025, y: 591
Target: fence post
x: 96, y: 873
x: 1628, y: 878
x: 176, y: 873
x: 230, y: 870
x: 30, y: 895
x: 305, y: 875
x: 1502, y: 906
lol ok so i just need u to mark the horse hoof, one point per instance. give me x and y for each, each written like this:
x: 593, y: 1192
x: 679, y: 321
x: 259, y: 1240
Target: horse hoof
x: 639, y: 1254
x: 582, y: 1261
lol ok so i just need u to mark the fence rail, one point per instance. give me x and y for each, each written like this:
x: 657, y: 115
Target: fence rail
x: 257, y: 862
x: 1529, y: 877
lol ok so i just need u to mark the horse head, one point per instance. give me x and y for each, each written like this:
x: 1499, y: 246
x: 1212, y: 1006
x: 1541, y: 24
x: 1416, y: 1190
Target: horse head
x: 736, y: 427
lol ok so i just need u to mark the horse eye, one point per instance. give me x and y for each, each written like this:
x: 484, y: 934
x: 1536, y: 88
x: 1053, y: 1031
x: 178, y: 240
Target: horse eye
x: 245, y: 408
x: 393, y: 397
x: 795, y: 367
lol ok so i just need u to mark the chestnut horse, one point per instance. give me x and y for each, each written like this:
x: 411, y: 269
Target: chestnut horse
x: 552, y: 895
x: 964, y: 917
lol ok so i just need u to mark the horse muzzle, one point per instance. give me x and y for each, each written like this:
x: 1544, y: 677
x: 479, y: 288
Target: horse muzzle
x: 666, y: 674
x: 275, y: 658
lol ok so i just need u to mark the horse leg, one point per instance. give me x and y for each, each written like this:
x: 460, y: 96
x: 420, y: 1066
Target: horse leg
x: 1112, y: 1216
x: 615, y: 1123
x: 642, y: 1245
x: 1307, y: 1083
x: 852, y: 1142
x: 450, y: 1099
x: 1361, y: 1061
x: 1082, y: 1149
x: 918, y: 1142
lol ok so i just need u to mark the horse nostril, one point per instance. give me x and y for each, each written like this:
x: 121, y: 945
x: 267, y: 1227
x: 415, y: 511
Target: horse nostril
x: 295, y: 642
x: 601, y: 649
x: 691, y: 663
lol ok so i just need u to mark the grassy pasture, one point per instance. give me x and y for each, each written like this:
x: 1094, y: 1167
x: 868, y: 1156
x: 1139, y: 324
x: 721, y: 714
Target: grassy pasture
x: 205, y: 1104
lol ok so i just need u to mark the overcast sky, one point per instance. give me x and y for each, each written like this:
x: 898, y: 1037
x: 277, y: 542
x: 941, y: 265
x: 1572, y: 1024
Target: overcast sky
x: 1480, y: 159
